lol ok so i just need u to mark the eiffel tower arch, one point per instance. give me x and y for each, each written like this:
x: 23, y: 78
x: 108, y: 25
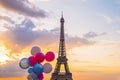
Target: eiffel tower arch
x: 62, y: 59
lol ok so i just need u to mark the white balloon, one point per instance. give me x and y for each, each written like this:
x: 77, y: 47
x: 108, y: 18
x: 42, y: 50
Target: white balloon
x: 31, y: 76
x: 47, y: 68
x: 35, y: 50
x: 24, y: 63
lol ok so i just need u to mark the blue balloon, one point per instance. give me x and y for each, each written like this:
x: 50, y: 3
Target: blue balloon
x: 24, y: 63
x: 35, y: 79
x: 37, y: 68
x: 30, y: 70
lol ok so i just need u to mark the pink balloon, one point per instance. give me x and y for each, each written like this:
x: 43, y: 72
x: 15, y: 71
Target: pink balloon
x: 50, y: 56
x: 40, y: 76
x: 39, y: 57
x: 32, y: 60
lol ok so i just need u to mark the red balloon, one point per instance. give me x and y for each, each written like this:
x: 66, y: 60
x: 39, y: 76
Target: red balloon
x: 32, y: 60
x: 40, y: 79
x: 50, y: 56
x: 40, y: 76
x: 39, y: 57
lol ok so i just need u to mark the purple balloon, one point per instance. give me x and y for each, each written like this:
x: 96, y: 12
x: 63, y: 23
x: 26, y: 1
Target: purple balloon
x: 50, y: 56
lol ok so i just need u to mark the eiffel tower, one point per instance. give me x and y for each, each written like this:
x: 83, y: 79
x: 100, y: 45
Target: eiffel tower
x: 62, y: 59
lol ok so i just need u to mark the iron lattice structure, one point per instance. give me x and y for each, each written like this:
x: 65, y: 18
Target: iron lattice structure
x: 62, y: 59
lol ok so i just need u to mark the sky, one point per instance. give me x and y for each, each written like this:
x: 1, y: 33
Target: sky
x: 92, y: 36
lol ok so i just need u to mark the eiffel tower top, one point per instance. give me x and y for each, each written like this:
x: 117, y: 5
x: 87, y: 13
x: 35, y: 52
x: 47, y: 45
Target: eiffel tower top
x: 62, y: 50
x: 62, y: 19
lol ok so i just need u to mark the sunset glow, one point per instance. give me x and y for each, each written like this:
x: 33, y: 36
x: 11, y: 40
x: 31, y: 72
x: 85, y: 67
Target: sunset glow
x: 92, y: 36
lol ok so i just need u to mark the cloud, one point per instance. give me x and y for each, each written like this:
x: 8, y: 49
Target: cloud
x: 6, y: 18
x: 11, y: 69
x: 39, y: 0
x: 95, y: 75
x: 22, y: 7
x: 44, y: 0
x: 84, y: 0
x: 118, y: 31
x: 93, y: 34
x: 107, y: 18
x: 22, y: 35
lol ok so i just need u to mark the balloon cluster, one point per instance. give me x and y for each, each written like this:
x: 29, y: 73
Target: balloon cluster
x: 34, y: 66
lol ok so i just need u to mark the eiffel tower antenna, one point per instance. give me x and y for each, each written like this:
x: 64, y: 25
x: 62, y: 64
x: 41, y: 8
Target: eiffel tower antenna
x: 62, y: 58
x: 62, y: 14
